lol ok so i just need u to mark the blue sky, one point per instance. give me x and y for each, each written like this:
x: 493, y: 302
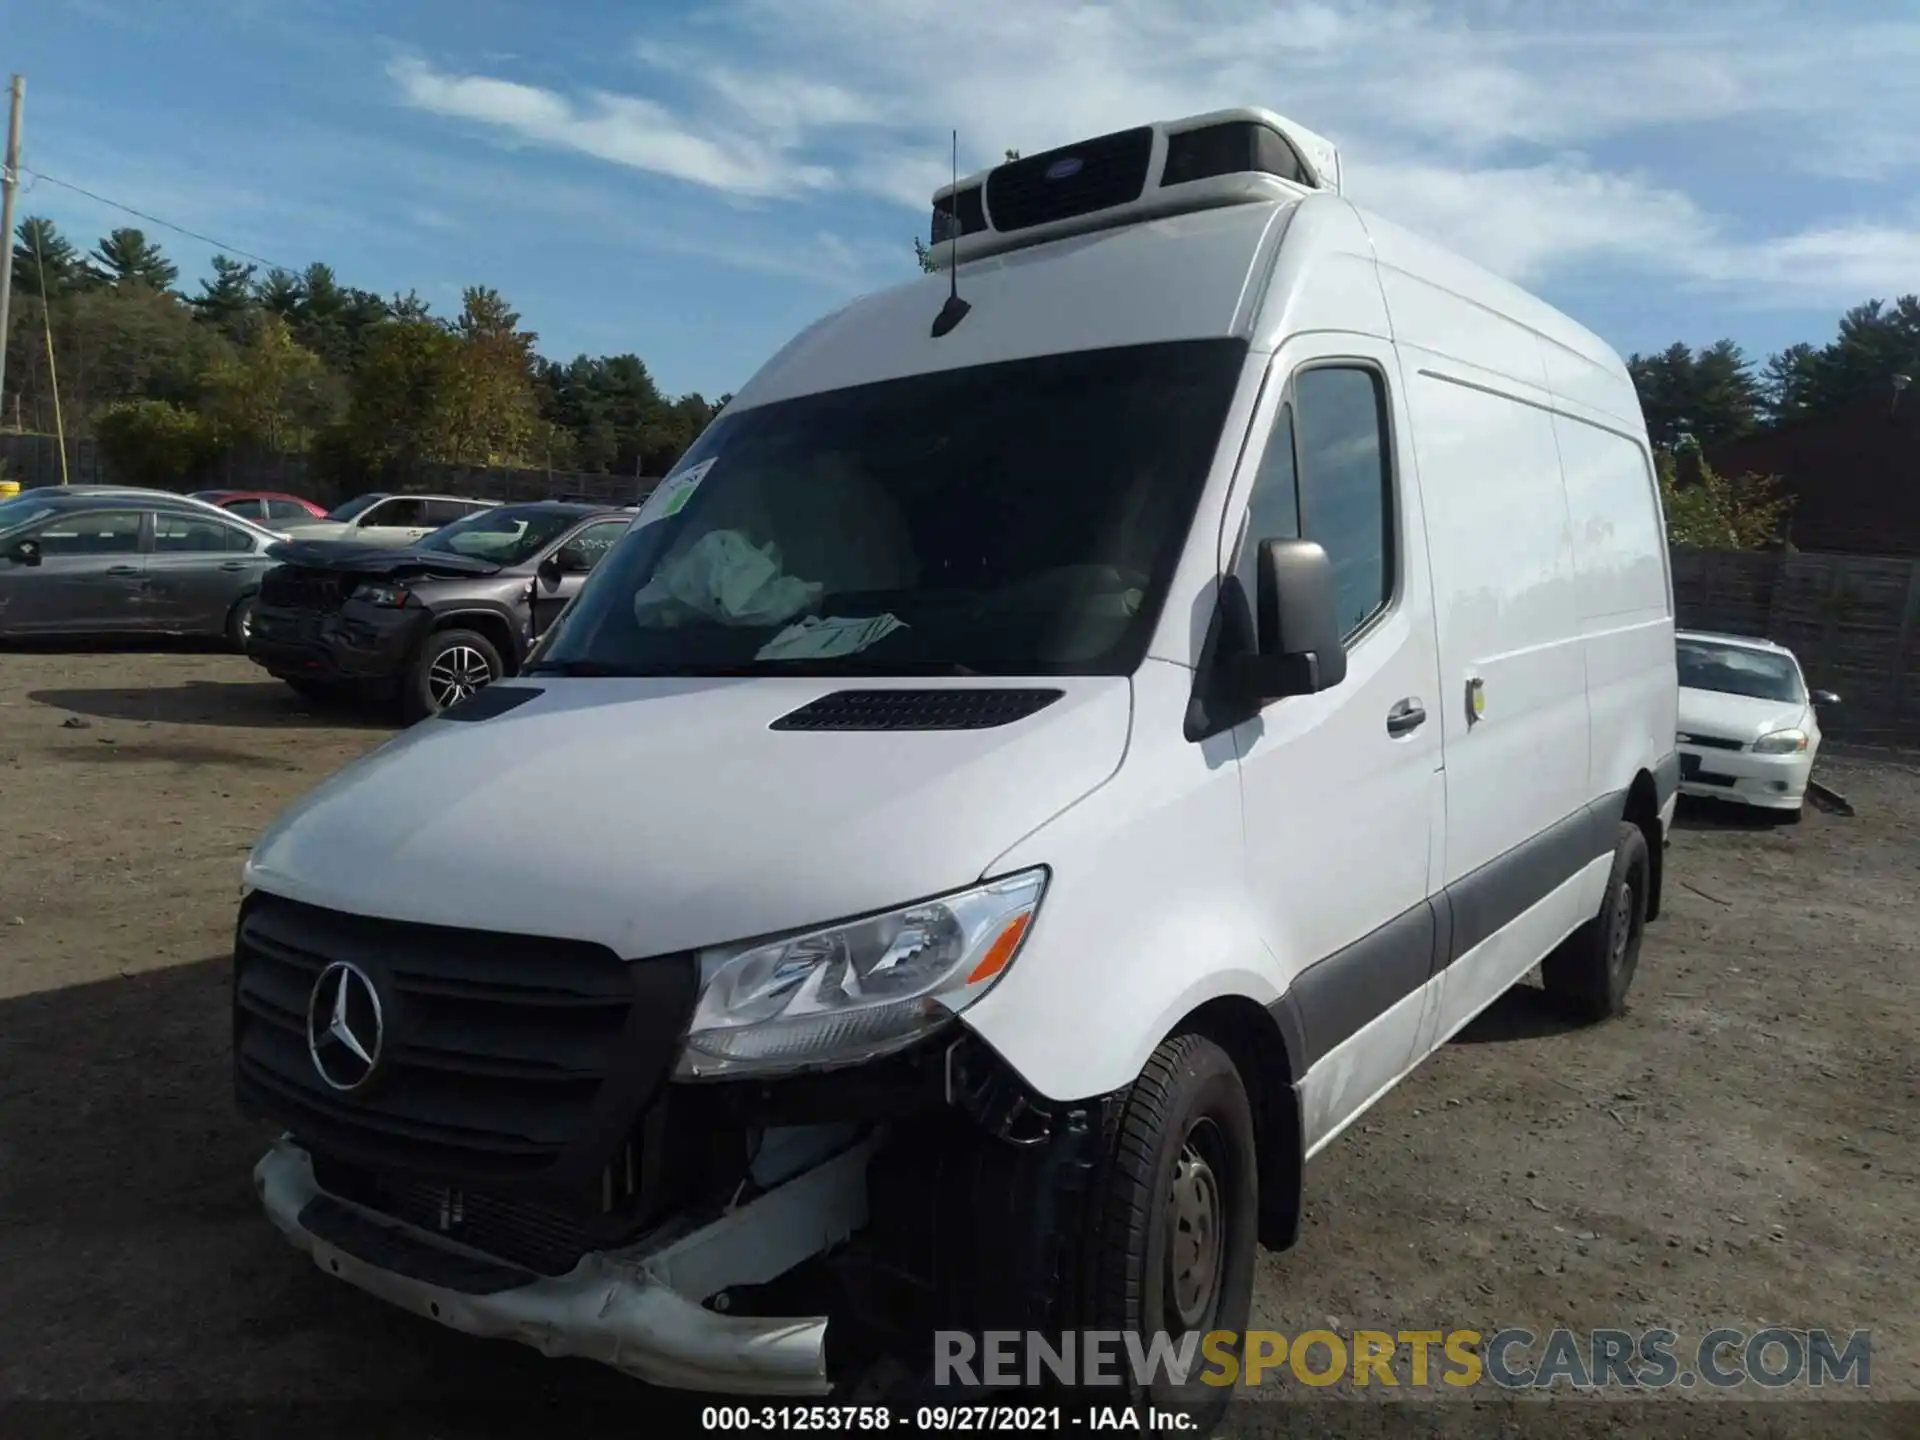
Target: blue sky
x: 695, y: 182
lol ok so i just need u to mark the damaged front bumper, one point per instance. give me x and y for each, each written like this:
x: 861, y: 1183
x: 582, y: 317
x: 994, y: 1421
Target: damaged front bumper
x: 639, y: 1309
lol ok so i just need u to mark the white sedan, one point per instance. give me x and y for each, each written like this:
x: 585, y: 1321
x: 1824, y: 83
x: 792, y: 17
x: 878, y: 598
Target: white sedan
x: 1748, y: 728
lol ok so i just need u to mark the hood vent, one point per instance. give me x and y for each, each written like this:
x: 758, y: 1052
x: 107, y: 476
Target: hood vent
x: 485, y: 704
x: 916, y: 709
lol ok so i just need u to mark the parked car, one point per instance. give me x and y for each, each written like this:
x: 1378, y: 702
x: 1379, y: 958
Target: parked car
x: 430, y: 623
x: 263, y: 505
x: 136, y: 492
x: 1749, y: 727
x: 384, y: 519
x: 127, y: 563
x: 1044, y: 763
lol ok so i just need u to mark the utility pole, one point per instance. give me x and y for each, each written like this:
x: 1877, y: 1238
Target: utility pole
x: 10, y: 180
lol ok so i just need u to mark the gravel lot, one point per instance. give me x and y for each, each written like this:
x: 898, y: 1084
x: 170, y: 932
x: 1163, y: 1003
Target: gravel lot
x: 1742, y: 1149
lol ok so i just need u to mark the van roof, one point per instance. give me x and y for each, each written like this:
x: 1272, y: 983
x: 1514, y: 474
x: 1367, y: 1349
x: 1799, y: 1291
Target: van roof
x: 1258, y: 258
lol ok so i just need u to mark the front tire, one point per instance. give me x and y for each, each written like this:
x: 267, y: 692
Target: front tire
x: 452, y: 665
x: 1591, y: 972
x: 1173, y: 1221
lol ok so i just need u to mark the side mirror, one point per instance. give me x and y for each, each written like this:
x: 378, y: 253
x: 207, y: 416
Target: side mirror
x: 552, y: 568
x: 1824, y: 699
x: 26, y: 552
x: 1296, y: 610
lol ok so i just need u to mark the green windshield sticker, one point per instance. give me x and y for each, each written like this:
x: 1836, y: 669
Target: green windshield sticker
x: 673, y: 493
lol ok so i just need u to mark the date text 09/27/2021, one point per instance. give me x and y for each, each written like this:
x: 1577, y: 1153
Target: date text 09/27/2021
x: 943, y: 1419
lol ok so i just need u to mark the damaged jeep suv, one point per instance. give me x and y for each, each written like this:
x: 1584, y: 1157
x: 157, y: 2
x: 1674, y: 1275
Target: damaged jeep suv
x: 430, y: 624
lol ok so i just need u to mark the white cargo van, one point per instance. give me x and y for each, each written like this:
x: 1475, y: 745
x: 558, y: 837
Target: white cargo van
x: 1073, y: 734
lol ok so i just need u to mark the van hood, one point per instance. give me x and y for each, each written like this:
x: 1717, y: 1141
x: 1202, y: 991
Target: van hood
x: 1736, y: 717
x: 657, y: 815
x: 358, y: 558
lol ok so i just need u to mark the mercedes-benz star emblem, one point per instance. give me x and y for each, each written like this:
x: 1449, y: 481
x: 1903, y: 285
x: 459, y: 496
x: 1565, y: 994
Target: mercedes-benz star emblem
x: 345, y: 1027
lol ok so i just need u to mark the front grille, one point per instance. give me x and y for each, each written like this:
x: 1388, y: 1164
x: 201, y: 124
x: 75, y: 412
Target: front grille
x: 1712, y: 742
x: 295, y: 587
x: 1077, y: 180
x: 917, y: 709
x: 505, y: 1058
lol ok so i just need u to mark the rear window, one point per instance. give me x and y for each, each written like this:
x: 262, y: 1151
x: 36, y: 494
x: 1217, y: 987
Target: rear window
x: 354, y: 507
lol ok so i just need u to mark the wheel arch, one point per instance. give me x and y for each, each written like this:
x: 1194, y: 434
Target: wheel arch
x: 1643, y: 810
x: 493, y: 624
x: 1255, y: 1042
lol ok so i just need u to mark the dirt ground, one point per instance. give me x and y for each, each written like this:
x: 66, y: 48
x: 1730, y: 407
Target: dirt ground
x: 1743, y: 1149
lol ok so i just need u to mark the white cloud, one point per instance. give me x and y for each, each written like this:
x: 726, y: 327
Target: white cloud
x: 1475, y: 121
x: 623, y: 129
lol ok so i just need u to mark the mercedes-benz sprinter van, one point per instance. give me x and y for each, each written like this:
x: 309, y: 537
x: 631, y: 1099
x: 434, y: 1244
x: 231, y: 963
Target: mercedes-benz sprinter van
x: 1072, y: 735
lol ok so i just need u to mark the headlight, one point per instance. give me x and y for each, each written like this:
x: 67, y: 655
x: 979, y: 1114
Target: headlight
x: 851, y: 992
x: 374, y: 593
x: 1781, y: 742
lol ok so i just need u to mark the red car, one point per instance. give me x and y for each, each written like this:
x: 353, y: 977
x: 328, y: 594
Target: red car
x: 263, y: 507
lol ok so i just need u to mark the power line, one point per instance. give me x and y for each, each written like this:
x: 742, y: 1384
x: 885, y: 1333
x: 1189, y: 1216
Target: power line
x: 220, y: 246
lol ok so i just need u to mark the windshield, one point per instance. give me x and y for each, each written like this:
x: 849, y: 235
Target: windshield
x: 354, y: 506
x: 1736, y: 670
x: 507, y: 535
x: 1013, y: 519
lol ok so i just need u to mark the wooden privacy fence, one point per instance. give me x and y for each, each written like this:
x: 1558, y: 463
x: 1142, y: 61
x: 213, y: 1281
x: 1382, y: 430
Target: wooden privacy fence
x: 1854, y: 621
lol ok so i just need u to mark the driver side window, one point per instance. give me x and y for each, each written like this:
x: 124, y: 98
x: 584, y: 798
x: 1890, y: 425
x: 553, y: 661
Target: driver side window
x: 1324, y: 477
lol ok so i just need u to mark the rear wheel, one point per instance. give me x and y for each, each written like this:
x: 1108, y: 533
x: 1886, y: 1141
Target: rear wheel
x: 240, y: 623
x: 452, y: 665
x: 1173, y: 1227
x: 1591, y: 972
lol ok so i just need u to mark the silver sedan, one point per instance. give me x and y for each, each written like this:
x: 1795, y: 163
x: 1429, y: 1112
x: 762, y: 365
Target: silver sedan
x: 126, y: 565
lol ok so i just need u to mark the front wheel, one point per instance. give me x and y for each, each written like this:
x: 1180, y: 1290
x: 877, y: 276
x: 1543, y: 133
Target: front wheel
x: 452, y: 665
x: 1174, y: 1222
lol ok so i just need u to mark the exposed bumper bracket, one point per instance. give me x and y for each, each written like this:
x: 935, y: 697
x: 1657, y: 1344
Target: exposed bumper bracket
x: 637, y: 1310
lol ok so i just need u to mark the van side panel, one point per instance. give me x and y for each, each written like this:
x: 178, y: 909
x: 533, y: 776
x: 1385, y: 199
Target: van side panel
x: 1626, y: 625
x: 1505, y: 603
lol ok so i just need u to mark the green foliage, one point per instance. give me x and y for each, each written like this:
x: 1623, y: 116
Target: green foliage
x: 127, y: 257
x: 272, y: 396
x: 1713, y: 394
x: 45, y: 262
x: 226, y: 301
x: 155, y: 443
x: 286, y: 361
x: 1710, y: 511
x: 458, y: 393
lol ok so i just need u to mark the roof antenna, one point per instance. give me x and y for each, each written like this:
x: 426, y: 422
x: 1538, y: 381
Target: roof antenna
x: 955, y: 310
